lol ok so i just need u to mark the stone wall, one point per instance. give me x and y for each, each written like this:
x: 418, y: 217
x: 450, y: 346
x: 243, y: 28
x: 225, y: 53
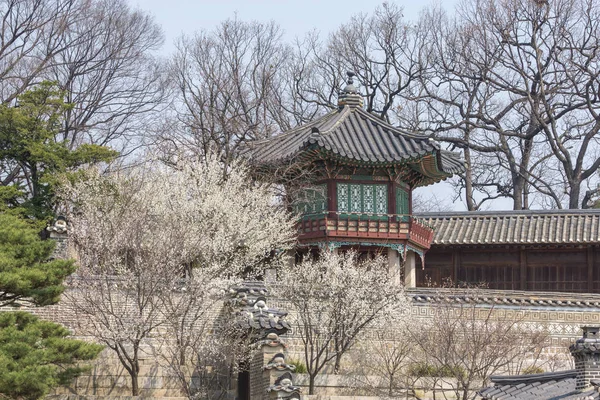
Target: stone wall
x: 108, y: 379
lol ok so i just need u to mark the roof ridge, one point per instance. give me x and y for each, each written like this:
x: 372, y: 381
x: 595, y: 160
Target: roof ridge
x: 545, y: 376
x: 296, y: 128
x: 508, y: 213
x: 329, y: 126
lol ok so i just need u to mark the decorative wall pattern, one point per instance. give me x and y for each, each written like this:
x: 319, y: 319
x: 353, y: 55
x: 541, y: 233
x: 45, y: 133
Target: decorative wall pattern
x: 311, y: 200
x: 355, y: 198
x: 381, y: 206
x: 342, y: 197
x: 362, y: 198
x: 368, y: 199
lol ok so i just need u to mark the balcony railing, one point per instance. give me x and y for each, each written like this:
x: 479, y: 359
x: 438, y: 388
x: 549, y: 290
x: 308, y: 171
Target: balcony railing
x: 338, y: 225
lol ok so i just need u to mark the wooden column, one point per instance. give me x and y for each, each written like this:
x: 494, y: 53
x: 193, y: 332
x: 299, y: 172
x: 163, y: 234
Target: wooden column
x: 331, y: 197
x: 392, y: 198
x: 455, y: 265
x: 410, y: 272
x: 523, y: 269
x: 590, y: 269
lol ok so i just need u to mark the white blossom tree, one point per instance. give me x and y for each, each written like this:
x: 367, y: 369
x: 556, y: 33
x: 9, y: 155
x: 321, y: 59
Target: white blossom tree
x: 197, y: 351
x: 145, y: 236
x: 335, y: 298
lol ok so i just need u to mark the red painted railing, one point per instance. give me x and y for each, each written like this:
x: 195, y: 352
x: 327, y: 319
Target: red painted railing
x: 338, y: 226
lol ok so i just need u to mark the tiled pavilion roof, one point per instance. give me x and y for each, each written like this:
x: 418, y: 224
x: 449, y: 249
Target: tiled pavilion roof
x: 566, y: 227
x: 352, y: 135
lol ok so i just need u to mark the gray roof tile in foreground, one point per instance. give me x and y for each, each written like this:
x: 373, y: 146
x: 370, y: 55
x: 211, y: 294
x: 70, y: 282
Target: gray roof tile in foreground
x: 546, y: 386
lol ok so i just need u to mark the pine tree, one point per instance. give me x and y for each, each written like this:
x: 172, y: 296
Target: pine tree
x: 25, y: 272
x: 34, y: 153
x: 35, y: 355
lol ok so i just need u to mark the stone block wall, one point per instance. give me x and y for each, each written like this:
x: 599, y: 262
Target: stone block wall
x: 586, y: 352
x: 108, y: 379
x: 591, y: 367
x: 258, y: 384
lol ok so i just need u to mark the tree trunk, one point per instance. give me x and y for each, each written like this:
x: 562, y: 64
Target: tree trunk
x: 135, y: 389
x: 135, y: 371
x: 338, y: 361
x: 524, y: 173
x: 182, y: 356
x: 518, y: 192
x: 311, y: 383
x: 574, y: 194
x: 469, y: 182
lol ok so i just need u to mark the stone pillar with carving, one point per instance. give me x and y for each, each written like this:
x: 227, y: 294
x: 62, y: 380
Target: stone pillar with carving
x: 59, y: 233
x: 586, y: 352
x: 270, y: 376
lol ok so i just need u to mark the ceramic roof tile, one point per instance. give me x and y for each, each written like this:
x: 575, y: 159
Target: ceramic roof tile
x: 250, y: 310
x: 515, y: 227
x: 507, y: 298
x: 546, y: 386
x: 355, y: 134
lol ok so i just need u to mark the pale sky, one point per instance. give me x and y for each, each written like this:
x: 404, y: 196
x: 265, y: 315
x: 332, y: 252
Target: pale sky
x: 297, y: 17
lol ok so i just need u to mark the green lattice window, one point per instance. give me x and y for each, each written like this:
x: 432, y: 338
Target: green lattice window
x: 311, y: 200
x: 361, y: 198
x: 402, y: 203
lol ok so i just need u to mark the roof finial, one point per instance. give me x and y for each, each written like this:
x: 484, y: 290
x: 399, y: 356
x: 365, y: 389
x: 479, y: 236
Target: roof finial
x: 349, y: 96
x: 350, y: 76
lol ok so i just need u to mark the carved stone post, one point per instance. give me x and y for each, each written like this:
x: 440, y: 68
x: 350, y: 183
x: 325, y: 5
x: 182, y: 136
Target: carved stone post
x: 270, y: 376
x: 59, y: 233
x: 586, y: 352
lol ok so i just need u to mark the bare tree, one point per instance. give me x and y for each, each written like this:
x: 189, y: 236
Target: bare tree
x: 142, y: 236
x: 335, y: 298
x: 227, y: 88
x: 31, y: 34
x: 464, y: 344
x: 514, y: 84
x: 383, y: 360
x: 110, y: 74
x: 99, y: 52
x: 382, y: 49
x: 199, y: 342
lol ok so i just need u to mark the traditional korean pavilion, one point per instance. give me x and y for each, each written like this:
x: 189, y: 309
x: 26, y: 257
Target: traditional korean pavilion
x: 350, y: 177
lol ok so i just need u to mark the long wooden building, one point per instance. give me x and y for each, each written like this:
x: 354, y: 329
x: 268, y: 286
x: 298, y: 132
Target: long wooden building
x: 557, y: 250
